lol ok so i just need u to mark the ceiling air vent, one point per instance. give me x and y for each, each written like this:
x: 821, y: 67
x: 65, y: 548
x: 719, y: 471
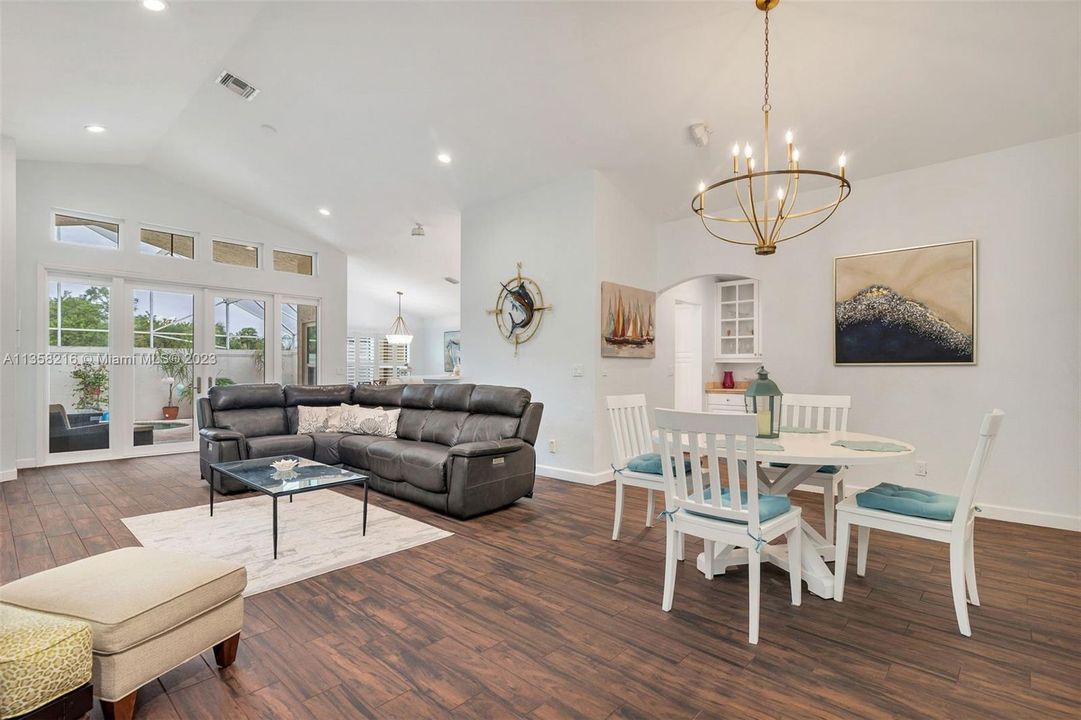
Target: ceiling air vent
x: 241, y: 88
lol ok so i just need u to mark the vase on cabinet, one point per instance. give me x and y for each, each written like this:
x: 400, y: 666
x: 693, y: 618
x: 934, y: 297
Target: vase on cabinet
x: 727, y: 381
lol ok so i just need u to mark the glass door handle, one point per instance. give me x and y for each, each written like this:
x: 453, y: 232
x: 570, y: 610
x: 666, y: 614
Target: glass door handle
x: 198, y: 383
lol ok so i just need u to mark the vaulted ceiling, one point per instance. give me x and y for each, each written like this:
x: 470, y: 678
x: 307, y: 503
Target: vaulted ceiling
x: 364, y: 95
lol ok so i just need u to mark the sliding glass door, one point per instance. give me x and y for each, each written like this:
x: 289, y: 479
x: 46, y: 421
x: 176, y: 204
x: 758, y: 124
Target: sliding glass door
x: 126, y: 360
x: 164, y: 339
x: 300, y: 343
x: 240, y: 330
x: 78, y: 375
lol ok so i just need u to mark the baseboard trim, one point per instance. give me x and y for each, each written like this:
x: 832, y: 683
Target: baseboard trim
x: 26, y: 462
x: 575, y: 476
x: 6, y: 475
x: 1057, y: 521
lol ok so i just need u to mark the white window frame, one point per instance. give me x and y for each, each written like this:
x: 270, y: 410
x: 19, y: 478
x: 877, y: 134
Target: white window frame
x: 173, y: 231
x: 260, y: 252
x: 86, y: 216
x: 296, y: 251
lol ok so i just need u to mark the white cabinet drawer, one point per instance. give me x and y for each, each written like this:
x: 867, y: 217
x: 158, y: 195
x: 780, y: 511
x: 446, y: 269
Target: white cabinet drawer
x: 724, y: 402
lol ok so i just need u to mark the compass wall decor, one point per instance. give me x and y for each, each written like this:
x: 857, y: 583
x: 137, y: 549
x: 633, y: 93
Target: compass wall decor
x: 518, y: 309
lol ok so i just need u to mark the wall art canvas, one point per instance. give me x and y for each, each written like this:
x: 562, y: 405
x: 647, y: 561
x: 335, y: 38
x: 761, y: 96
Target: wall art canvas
x: 452, y: 349
x: 628, y: 316
x: 913, y: 306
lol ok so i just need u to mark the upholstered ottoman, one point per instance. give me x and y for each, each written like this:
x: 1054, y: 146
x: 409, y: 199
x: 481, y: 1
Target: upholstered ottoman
x: 44, y: 665
x: 149, y: 611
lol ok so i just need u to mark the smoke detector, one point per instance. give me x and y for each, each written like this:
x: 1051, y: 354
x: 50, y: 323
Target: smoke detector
x: 418, y: 231
x: 231, y: 82
x: 700, y: 133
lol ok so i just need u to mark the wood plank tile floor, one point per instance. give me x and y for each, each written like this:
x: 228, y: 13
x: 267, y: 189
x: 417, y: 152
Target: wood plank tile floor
x: 533, y: 612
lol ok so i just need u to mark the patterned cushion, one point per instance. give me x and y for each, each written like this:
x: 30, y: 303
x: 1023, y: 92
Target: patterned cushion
x: 769, y: 506
x: 650, y: 463
x: 41, y: 658
x: 368, y: 421
x: 313, y: 418
x: 908, y: 501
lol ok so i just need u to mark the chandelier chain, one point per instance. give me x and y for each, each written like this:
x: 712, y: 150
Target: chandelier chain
x: 766, y: 107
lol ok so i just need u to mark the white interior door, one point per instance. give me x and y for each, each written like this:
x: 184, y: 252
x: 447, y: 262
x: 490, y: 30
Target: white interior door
x: 688, y: 357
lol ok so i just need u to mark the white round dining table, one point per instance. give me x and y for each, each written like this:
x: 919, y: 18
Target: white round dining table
x: 803, y: 453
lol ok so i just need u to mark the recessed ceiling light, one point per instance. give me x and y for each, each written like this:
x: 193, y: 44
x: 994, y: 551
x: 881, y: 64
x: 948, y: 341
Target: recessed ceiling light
x: 154, y: 5
x: 94, y: 128
x: 443, y: 158
x: 324, y: 211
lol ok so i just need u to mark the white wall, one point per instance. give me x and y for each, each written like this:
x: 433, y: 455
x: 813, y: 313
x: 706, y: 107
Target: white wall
x: 550, y: 230
x: 625, y: 255
x: 428, y: 360
x: 8, y: 339
x: 138, y: 196
x: 570, y: 236
x: 1021, y: 204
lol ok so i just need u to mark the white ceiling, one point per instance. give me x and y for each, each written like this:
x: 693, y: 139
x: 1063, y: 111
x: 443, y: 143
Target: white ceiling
x: 364, y: 95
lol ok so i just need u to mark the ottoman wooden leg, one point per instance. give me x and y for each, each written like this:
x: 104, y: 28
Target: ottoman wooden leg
x: 122, y: 709
x: 225, y: 651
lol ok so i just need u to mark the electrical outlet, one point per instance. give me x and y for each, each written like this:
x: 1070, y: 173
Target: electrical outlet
x: 921, y: 468
x: 578, y: 371
x: 551, y: 446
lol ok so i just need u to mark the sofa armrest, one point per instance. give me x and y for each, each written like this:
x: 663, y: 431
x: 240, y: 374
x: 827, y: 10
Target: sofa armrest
x: 483, y: 448
x: 529, y: 425
x: 219, y: 434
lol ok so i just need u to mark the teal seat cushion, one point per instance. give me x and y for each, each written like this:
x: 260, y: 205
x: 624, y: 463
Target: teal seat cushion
x: 769, y: 506
x: 908, y: 501
x: 828, y: 469
x: 650, y: 464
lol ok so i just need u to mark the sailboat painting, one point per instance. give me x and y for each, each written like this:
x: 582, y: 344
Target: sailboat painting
x: 628, y: 316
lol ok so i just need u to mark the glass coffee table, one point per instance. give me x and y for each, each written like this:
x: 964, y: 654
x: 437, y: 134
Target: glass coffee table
x: 308, y: 475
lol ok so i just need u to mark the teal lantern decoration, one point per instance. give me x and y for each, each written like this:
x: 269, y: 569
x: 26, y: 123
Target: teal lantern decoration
x: 763, y: 399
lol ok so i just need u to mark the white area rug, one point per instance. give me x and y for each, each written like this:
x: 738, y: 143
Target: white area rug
x: 318, y: 532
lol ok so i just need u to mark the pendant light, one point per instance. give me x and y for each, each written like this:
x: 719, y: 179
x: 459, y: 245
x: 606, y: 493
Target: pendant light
x: 759, y: 211
x: 399, y: 333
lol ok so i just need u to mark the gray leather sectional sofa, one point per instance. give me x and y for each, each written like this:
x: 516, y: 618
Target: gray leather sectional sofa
x: 461, y: 449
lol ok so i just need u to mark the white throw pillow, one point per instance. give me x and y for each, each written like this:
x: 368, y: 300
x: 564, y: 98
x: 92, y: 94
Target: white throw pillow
x: 312, y: 418
x: 392, y: 422
x: 365, y: 421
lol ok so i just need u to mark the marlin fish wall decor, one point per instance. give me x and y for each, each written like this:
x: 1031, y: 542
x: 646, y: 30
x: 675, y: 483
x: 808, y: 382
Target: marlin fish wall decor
x: 518, y: 309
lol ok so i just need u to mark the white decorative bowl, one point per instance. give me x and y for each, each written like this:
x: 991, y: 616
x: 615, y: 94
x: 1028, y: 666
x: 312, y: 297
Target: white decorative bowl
x: 284, y: 465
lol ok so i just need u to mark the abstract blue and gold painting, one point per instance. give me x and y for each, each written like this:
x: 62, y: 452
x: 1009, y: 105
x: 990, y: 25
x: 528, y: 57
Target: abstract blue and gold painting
x: 913, y: 306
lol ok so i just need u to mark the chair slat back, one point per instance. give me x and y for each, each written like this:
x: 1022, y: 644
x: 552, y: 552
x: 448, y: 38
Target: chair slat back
x: 628, y: 417
x: 817, y: 412
x: 988, y: 432
x: 709, y: 436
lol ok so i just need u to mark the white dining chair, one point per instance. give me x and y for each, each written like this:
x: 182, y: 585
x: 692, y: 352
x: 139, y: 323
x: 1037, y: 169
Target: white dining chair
x: 893, y: 502
x: 711, y: 504
x: 820, y: 412
x: 632, y: 442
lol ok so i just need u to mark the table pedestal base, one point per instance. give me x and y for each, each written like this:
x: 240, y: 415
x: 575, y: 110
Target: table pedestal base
x: 815, y: 551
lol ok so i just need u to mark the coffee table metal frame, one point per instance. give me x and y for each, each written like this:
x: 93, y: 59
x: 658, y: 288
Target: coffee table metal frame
x: 348, y: 478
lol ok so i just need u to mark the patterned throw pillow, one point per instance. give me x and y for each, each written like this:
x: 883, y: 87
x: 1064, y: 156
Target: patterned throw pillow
x: 312, y: 419
x: 366, y: 421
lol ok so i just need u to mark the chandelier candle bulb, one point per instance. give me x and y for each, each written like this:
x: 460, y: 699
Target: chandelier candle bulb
x: 735, y: 158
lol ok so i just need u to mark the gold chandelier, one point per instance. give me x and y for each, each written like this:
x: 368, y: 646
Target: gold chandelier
x: 767, y: 213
